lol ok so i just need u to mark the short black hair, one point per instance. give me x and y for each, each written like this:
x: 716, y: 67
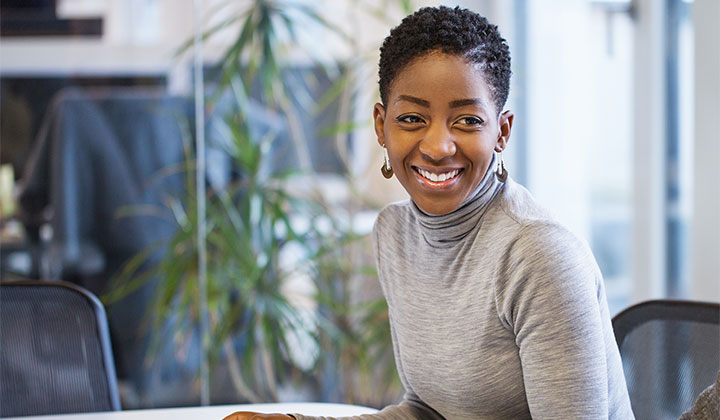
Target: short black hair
x: 453, y: 31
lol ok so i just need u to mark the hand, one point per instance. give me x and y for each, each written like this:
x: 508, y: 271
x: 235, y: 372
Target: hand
x: 249, y: 415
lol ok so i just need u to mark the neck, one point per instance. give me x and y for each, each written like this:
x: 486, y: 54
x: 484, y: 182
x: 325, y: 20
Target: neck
x: 448, y: 229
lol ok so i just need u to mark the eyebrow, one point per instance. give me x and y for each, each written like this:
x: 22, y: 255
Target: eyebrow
x: 421, y: 102
x: 453, y: 104
x: 465, y: 102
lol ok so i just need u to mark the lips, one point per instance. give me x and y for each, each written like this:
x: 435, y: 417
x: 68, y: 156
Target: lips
x: 437, y: 177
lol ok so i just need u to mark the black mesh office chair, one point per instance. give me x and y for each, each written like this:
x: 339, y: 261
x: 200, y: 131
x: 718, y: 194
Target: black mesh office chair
x: 56, y: 355
x: 670, y: 352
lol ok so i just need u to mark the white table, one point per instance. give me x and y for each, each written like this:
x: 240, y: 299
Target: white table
x: 214, y: 412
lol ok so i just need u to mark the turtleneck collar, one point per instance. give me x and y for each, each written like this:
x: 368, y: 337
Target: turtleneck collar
x: 446, y: 230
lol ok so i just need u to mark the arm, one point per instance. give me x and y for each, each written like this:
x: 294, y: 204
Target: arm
x: 411, y: 408
x: 551, y: 300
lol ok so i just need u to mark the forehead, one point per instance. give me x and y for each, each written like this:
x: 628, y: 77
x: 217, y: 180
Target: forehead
x: 440, y: 77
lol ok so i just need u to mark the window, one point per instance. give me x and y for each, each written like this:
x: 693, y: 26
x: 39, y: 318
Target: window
x: 581, y: 136
x: 579, y: 129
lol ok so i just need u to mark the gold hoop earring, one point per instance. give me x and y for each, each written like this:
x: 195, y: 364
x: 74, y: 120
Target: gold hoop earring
x: 386, y: 169
x: 500, y: 172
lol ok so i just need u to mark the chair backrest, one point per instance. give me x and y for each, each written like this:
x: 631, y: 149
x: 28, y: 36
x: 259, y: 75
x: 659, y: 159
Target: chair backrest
x: 56, y: 355
x: 670, y: 352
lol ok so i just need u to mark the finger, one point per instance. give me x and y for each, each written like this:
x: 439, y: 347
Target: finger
x: 249, y: 415
x: 240, y: 415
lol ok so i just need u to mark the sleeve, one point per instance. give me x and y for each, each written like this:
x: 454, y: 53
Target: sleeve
x: 550, y: 300
x: 411, y: 407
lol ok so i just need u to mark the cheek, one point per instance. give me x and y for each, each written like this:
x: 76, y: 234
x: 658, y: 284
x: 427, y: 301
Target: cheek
x: 398, y: 147
x: 396, y: 159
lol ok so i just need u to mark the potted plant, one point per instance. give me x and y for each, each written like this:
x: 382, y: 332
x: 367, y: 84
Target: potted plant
x: 254, y: 219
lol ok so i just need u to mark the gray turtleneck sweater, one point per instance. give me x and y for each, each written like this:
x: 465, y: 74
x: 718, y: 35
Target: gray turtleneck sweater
x: 496, y: 312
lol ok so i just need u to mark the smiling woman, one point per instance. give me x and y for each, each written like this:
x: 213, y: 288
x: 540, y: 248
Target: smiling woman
x: 496, y: 310
x: 441, y: 129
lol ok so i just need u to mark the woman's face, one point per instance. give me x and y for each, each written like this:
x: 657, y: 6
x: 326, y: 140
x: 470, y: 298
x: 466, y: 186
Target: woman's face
x: 440, y: 127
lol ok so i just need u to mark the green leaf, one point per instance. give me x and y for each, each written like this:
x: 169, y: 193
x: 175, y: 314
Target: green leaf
x: 344, y: 127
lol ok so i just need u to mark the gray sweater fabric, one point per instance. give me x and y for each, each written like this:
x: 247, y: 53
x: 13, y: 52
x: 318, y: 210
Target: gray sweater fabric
x: 496, y: 312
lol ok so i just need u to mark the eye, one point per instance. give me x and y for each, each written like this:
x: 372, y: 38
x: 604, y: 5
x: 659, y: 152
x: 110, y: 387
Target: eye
x: 409, y: 119
x: 470, y: 121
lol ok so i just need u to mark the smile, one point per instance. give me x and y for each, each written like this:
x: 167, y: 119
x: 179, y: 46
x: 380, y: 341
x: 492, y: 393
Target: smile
x: 436, y: 178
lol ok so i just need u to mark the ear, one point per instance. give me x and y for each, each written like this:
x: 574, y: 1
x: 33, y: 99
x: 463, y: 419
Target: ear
x: 379, y: 119
x: 505, y: 124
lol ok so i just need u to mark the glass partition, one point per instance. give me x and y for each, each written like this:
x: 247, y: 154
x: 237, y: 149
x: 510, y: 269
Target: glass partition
x: 97, y: 126
x: 194, y: 163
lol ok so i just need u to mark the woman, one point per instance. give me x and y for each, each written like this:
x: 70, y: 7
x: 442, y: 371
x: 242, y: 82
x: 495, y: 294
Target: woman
x: 496, y: 310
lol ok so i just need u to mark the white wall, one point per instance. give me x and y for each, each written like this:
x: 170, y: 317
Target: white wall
x: 139, y: 37
x: 706, y: 210
x: 649, y: 138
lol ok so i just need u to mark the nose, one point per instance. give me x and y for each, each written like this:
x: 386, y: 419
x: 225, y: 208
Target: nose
x: 438, y: 143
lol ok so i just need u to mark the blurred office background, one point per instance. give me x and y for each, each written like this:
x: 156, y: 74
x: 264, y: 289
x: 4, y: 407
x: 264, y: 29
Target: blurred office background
x: 111, y: 110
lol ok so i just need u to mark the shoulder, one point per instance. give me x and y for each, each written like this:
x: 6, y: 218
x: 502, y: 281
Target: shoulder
x: 548, y: 238
x: 518, y: 204
x: 546, y: 271
x: 388, y: 221
x: 540, y: 254
x: 529, y: 226
x: 545, y: 249
x: 391, y: 215
x: 517, y: 219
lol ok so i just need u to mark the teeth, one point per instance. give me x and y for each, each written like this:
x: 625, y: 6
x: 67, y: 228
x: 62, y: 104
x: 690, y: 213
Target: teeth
x: 438, y: 178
